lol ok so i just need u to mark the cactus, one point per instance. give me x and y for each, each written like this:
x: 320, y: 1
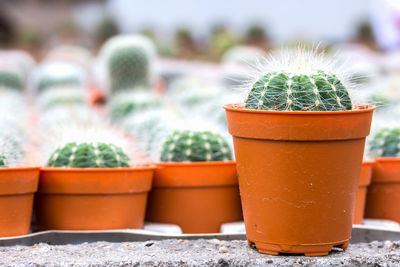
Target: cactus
x: 128, y: 60
x: 10, y: 80
x: 50, y: 82
x: 89, y: 155
x: 385, y: 143
x: 188, y: 146
x: 62, y: 96
x: 320, y: 91
x: 127, y: 103
x: 3, y: 161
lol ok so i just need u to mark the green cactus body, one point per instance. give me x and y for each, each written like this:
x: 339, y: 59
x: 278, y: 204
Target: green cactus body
x: 129, y: 68
x: 47, y: 83
x: 285, y: 91
x: 188, y: 146
x: 89, y: 155
x: 386, y: 143
x: 10, y: 80
x: 3, y: 161
x: 124, y: 104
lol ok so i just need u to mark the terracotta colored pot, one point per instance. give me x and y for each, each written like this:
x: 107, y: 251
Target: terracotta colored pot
x: 298, y: 176
x: 92, y: 199
x: 197, y: 196
x: 365, y: 180
x: 383, y: 198
x: 17, y: 186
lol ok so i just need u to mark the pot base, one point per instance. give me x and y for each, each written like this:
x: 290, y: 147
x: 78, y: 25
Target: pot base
x: 307, y: 250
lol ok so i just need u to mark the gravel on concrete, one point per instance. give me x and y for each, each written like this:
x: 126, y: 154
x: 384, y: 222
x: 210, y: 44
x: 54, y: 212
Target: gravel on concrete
x: 190, y: 253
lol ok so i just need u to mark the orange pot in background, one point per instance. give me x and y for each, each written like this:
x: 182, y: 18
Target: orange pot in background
x: 365, y: 180
x: 17, y: 187
x: 298, y: 176
x: 383, y: 198
x: 92, y: 199
x: 197, y: 196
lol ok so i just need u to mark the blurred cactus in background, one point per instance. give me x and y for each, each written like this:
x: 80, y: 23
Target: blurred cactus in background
x: 128, y: 60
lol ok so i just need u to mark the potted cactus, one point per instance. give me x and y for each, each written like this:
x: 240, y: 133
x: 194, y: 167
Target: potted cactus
x: 195, y: 185
x: 383, y: 196
x: 91, y: 186
x: 299, y: 142
x: 17, y: 187
x: 128, y: 60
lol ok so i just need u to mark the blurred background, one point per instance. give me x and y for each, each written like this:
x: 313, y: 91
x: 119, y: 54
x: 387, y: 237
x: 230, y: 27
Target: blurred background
x: 150, y: 67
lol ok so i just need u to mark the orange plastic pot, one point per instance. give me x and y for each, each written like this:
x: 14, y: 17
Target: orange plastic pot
x: 298, y: 176
x: 365, y: 180
x: 197, y: 196
x: 383, y: 198
x: 92, y: 199
x: 17, y: 187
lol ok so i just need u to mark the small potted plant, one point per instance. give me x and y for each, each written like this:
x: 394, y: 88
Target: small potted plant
x: 195, y: 186
x: 383, y: 196
x: 299, y: 142
x: 18, y: 184
x: 91, y: 186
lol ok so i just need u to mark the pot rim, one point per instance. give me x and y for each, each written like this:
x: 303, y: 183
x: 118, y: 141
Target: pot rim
x: 361, y: 109
x: 368, y: 161
x: 195, y: 164
x: 387, y: 159
x: 124, y: 169
x: 30, y: 168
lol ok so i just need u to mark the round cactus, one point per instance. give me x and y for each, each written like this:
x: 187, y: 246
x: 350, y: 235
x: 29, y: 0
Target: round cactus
x: 63, y: 96
x: 3, y: 161
x: 127, y: 103
x: 58, y: 82
x: 385, y: 143
x: 10, y: 80
x: 89, y: 155
x: 188, y: 146
x: 128, y: 68
x: 295, y: 92
x: 129, y: 60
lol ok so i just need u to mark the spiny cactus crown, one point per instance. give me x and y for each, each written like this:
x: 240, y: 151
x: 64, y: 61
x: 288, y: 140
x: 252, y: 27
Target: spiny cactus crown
x: 129, y: 68
x: 89, y: 155
x: 321, y: 91
x: 187, y: 146
x: 10, y: 80
x: 3, y: 161
x: 385, y: 143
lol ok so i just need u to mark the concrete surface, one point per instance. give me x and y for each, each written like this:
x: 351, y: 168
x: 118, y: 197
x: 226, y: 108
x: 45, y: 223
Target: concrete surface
x: 190, y: 253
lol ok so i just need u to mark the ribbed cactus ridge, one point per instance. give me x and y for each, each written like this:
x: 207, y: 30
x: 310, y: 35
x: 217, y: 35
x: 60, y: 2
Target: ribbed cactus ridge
x: 385, y: 143
x: 3, y: 161
x: 129, y: 68
x: 89, y: 155
x: 284, y: 91
x: 10, y: 80
x: 189, y: 146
